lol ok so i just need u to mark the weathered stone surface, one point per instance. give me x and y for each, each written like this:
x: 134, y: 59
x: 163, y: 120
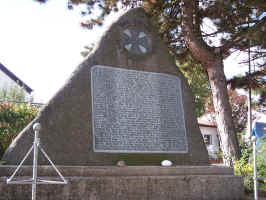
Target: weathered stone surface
x: 7, y: 170
x: 133, y: 183
x: 66, y: 135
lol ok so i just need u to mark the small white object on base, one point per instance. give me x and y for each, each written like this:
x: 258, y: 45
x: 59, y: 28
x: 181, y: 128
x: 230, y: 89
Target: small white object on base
x: 166, y: 163
x: 121, y: 163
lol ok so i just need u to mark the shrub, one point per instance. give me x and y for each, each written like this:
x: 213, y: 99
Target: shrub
x: 244, y: 167
x: 13, y: 118
x: 261, y: 162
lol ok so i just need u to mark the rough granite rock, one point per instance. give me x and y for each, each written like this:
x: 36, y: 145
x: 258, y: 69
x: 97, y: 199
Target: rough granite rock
x: 66, y: 121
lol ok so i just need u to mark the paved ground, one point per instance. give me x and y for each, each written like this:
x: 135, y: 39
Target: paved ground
x: 251, y: 197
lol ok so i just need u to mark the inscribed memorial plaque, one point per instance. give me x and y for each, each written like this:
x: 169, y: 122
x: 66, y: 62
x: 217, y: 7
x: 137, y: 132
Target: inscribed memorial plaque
x: 137, y: 112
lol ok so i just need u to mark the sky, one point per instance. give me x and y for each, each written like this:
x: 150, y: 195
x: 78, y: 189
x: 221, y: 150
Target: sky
x: 41, y: 44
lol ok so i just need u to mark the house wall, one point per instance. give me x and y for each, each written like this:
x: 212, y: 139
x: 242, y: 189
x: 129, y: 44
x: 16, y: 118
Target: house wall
x: 7, y: 82
x: 213, y: 147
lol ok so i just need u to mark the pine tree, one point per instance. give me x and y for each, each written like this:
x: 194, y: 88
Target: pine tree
x: 239, y: 24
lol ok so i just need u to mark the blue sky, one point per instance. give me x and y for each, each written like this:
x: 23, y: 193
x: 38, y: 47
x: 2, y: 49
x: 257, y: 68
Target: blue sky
x: 41, y: 43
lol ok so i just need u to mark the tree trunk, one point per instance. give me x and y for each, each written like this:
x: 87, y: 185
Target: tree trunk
x: 211, y: 59
x: 223, y: 113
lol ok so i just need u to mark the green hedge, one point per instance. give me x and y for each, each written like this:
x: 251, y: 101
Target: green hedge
x: 13, y: 118
x: 244, y: 167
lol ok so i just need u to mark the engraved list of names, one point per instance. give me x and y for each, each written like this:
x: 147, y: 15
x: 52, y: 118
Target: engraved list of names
x: 137, y: 112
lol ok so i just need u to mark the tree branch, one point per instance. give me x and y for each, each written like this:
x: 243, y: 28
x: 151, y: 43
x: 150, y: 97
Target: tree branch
x: 235, y: 41
x: 200, y: 50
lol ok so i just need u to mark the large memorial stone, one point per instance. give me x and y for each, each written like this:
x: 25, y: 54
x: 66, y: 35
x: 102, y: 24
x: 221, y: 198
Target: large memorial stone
x: 127, y: 101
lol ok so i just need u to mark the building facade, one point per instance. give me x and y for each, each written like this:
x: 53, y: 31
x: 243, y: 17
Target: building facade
x: 9, y: 80
x: 210, y: 135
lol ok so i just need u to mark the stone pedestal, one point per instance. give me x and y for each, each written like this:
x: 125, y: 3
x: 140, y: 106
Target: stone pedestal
x: 128, y: 183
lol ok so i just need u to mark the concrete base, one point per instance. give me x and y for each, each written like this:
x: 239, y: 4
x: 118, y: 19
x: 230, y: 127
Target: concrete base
x: 128, y: 183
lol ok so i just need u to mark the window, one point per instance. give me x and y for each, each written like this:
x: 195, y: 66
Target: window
x: 207, y: 139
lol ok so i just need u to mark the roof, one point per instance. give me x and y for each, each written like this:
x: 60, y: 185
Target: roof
x: 15, y: 78
x: 206, y: 123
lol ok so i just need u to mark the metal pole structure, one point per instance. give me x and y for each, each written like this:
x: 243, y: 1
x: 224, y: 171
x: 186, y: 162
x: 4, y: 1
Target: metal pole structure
x: 8, y: 181
x: 253, y: 138
x: 36, y: 128
x: 249, y: 93
x: 34, y: 180
x: 255, y: 168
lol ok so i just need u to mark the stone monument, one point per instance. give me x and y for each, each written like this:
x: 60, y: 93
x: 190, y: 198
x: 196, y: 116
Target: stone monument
x: 128, y: 103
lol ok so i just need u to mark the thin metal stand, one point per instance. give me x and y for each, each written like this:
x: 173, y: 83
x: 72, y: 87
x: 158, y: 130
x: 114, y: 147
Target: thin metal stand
x: 35, y: 180
x: 255, y: 178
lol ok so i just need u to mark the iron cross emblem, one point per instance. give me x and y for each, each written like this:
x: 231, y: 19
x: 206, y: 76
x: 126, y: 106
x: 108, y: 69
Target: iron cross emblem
x: 136, y: 42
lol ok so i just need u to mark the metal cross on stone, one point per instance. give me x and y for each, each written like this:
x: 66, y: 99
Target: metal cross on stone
x: 135, y: 41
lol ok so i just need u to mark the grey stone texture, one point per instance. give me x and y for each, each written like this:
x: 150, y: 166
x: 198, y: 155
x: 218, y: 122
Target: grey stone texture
x: 131, y: 183
x: 66, y: 120
x: 137, y: 112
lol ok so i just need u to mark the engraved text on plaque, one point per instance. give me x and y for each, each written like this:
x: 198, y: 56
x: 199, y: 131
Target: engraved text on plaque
x: 137, y: 112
